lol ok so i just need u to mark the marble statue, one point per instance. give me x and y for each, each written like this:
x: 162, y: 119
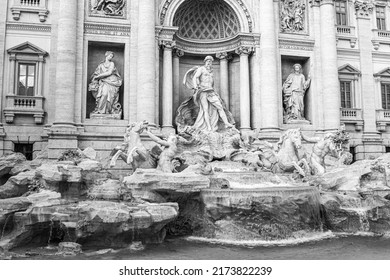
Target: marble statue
x: 109, y: 7
x: 292, y: 16
x: 133, y: 151
x: 284, y: 158
x: 167, y: 162
x: 294, y: 89
x: 204, y: 110
x: 105, y: 84
x: 334, y: 144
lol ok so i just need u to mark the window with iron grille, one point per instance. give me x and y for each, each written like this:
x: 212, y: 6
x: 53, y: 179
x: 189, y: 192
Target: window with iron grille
x: 385, y: 91
x: 346, y: 94
x: 341, y: 12
x: 25, y: 149
x: 380, y: 18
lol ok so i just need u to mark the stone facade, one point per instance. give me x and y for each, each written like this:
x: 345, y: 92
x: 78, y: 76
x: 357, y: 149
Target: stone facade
x: 50, y: 48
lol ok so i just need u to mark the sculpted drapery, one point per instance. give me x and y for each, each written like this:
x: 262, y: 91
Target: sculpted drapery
x: 105, y: 85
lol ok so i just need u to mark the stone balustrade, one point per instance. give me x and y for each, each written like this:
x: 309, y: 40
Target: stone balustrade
x: 346, y: 33
x: 353, y: 116
x: 24, y: 105
x: 382, y: 119
x: 30, y: 6
x: 380, y: 37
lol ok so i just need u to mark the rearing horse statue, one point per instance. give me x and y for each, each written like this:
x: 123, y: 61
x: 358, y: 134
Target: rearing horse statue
x: 133, y: 151
x: 285, y: 158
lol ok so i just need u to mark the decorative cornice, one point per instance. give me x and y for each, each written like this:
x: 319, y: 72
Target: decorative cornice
x: 107, y: 29
x: 293, y: 44
x: 230, y: 45
x: 167, y: 3
x: 363, y: 8
x: 29, y: 27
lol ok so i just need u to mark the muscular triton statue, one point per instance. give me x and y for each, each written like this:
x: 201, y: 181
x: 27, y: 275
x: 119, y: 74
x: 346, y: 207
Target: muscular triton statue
x: 205, y: 106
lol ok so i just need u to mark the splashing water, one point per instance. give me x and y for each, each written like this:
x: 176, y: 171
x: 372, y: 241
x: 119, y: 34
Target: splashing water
x: 310, y: 237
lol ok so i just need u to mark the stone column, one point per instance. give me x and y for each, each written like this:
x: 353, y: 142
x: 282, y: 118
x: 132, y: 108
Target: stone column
x: 269, y: 94
x: 167, y: 93
x: 12, y: 75
x: 372, y: 143
x: 3, y: 20
x: 66, y: 66
x: 363, y: 13
x: 316, y: 72
x: 63, y: 133
x: 146, y: 74
x: 176, y: 80
x: 330, y: 79
x: 245, y: 104
x: 224, y: 77
x: 40, y: 76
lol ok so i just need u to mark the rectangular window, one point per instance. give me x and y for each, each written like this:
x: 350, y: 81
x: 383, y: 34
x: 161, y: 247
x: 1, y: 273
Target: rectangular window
x: 385, y: 91
x: 380, y: 18
x: 346, y: 94
x: 26, y: 79
x: 341, y: 12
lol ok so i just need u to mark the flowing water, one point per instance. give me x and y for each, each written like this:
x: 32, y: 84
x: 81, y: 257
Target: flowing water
x: 324, y: 246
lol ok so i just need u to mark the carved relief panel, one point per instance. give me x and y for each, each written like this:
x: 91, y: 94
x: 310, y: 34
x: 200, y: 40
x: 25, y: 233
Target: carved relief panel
x: 293, y: 16
x: 108, y: 8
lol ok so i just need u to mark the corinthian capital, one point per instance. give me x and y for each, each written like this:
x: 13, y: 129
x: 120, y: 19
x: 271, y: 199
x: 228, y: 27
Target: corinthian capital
x: 320, y: 2
x: 223, y: 55
x: 244, y: 50
x: 363, y: 8
x: 167, y: 44
x: 178, y: 52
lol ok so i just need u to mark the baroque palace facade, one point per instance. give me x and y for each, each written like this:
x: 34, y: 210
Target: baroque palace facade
x: 53, y: 53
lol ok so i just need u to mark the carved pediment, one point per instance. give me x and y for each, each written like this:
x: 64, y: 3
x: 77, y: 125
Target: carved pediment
x: 385, y: 73
x: 27, y: 48
x: 349, y: 70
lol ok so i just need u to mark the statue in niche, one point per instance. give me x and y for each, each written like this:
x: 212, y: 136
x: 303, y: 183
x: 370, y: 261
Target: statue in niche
x: 109, y: 7
x: 294, y: 89
x: 204, y: 110
x: 292, y: 15
x: 105, y: 84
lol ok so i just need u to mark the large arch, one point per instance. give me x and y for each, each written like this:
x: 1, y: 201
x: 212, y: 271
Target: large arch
x: 169, y: 7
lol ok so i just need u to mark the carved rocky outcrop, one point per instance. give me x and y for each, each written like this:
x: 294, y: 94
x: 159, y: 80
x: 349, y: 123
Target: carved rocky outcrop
x: 351, y: 213
x: 7, y: 163
x: 45, y: 217
x: 362, y: 176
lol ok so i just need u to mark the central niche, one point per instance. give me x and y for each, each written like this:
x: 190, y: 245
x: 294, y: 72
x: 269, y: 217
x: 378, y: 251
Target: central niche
x: 206, y: 20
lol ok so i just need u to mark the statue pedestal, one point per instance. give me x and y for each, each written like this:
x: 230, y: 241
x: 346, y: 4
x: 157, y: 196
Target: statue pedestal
x: 105, y: 116
x: 298, y: 122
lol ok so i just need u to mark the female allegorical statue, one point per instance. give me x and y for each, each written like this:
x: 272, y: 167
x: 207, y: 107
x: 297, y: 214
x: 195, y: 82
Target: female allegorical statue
x: 105, y: 85
x: 294, y: 89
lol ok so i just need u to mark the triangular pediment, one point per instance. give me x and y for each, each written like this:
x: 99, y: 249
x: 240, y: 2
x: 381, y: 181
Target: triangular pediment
x: 27, y: 48
x: 384, y: 73
x: 348, y: 69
